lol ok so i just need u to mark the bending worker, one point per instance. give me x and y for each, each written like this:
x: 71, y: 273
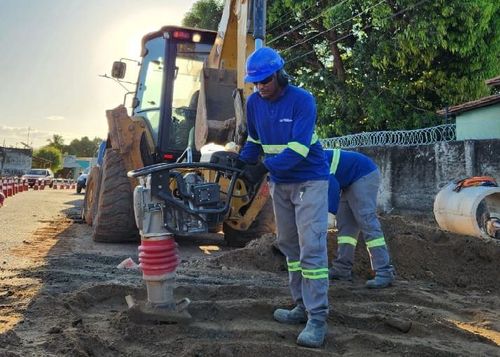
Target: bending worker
x: 356, y: 179
x: 281, y: 119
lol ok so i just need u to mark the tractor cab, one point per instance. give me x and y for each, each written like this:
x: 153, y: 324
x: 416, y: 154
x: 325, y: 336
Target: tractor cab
x: 168, y: 87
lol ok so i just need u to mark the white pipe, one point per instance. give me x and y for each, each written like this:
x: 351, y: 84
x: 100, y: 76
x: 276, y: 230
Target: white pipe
x: 463, y: 212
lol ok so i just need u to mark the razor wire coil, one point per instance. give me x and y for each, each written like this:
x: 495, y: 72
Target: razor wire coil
x: 436, y: 134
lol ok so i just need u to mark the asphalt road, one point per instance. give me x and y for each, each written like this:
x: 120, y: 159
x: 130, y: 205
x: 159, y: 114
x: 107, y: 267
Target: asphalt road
x: 28, y: 211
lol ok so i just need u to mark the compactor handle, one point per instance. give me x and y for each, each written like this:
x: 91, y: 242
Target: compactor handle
x: 144, y: 171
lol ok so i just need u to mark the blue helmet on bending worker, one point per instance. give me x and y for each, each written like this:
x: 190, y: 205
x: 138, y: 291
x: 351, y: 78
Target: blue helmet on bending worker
x: 262, y: 64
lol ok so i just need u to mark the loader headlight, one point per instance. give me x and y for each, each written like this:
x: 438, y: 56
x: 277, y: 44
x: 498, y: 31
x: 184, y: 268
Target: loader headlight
x: 196, y: 37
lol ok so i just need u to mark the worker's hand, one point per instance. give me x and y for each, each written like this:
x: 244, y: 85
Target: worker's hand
x: 254, y: 173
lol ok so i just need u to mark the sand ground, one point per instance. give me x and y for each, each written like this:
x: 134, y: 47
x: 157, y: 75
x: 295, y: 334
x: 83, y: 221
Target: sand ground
x: 61, y: 294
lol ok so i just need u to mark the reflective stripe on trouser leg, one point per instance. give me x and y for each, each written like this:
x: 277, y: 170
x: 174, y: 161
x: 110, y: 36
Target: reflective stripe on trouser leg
x: 346, y: 247
x: 311, y: 212
x: 288, y: 239
x: 346, y: 240
x: 295, y: 282
x: 379, y: 257
x: 302, y: 221
x: 362, y: 198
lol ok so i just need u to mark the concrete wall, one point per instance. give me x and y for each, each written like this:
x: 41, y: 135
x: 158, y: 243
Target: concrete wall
x: 14, y: 162
x: 412, y: 176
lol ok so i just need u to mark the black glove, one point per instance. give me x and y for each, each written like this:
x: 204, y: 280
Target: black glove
x: 254, y: 173
x: 239, y: 164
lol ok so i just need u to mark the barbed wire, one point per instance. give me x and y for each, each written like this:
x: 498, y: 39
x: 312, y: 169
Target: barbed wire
x: 432, y: 135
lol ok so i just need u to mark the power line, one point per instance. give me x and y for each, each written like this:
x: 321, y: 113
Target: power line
x: 364, y: 28
x: 335, y: 26
x: 306, y: 22
x: 289, y: 17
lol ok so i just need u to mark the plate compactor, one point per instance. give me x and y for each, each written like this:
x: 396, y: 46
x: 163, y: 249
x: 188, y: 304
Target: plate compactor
x: 176, y: 199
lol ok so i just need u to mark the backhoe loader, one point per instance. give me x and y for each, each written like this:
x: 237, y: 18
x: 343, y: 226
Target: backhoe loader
x: 189, y: 93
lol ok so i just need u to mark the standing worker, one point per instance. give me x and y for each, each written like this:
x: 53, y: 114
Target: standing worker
x: 281, y: 119
x: 355, y: 179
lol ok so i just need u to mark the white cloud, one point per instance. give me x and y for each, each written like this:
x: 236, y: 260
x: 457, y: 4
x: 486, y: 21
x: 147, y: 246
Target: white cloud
x: 55, y: 117
x: 14, y: 136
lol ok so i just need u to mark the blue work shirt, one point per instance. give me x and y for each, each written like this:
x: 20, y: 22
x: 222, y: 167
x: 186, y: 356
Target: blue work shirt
x: 346, y: 167
x: 283, y: 130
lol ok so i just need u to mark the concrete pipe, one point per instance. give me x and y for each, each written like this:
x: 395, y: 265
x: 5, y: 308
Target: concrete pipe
x: 473, y: 211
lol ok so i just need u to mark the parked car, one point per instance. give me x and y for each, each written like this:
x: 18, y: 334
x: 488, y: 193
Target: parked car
x: 81, y: 181
x: 39, y: 176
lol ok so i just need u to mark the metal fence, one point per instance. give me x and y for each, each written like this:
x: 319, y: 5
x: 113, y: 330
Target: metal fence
x: 440, y: 133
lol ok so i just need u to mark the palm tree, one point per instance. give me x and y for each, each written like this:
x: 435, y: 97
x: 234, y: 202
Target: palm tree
x: 57, y: 141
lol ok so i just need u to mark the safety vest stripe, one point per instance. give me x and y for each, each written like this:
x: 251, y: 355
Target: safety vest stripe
x: 252, y: 140
x: 378, y: 242
x: 294, y: 266
x: 293, y: 145
x: 347, y: 240
x: 315, y: 273
x: 335, y: 161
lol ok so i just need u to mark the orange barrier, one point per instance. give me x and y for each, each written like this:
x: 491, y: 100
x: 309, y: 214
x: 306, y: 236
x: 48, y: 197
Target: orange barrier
x: 10, y: 189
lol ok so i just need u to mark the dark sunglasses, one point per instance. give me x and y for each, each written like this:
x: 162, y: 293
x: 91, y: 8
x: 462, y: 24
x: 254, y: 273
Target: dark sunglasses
x: 265, y: 80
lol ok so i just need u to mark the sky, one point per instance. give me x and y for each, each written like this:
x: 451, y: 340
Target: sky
x: 52, y: 53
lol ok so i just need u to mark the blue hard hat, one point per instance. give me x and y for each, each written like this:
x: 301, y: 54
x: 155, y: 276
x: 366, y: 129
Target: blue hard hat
x: 262, y: 63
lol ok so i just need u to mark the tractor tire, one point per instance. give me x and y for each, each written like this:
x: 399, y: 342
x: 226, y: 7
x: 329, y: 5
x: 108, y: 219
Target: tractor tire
x: 114, y: 221
x: 91, y: 195
x: 264, y: 223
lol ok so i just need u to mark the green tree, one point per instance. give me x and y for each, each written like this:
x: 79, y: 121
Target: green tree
x: 56, y: 141
x: 83, y: 147
x: 204, y: 14
x: 50, y: 154
x: 377, y: 65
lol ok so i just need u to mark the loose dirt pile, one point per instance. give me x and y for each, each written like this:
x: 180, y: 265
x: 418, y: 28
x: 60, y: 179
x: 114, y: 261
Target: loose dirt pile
x: 445, y: 302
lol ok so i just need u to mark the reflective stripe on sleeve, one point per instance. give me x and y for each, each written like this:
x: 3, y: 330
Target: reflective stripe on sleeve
x: 252, y: 140
x: 273, y: 149
x: 347, y: 240
x: 335, y: 161
x: 300, y: 149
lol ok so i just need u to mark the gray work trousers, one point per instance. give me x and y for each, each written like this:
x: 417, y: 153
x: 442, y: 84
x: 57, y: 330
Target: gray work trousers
x: 301, y: 211
x: 358, y: 211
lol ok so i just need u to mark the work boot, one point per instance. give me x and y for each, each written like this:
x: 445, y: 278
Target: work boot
x: 333, y: 275
x: 297, y: 315
x: 380, y: 282
x: 313, y: 335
